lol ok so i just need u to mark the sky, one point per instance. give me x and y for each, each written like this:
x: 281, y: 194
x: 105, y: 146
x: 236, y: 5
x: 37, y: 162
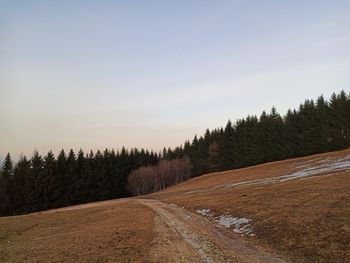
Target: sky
x: 106, y: 74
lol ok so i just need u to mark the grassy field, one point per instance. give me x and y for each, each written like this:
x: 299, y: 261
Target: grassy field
x: 307, y: 219
x: 112, y: 231
x: 298, y: 209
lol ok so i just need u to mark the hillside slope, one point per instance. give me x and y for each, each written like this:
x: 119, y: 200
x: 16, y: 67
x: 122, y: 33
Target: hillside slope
x: 295, y: 210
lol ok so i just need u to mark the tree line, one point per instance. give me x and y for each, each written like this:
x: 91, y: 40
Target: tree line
x: 315, y: 127
x: 44, y: 182
x: 47, y: 182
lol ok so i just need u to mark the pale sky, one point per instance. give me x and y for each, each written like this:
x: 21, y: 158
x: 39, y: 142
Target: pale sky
x: 97, y: 74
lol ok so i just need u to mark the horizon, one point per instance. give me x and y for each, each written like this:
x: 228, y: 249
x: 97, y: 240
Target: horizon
x: 152, y: 75
x: 116, y: 149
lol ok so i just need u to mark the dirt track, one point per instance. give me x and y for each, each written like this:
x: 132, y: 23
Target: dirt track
x: 129, y: 230
x: 186, y: 237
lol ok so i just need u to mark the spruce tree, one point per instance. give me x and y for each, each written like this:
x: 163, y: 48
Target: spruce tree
x: 36, y: 195
x: 51, y: 182
x: 322, y: 125
x: 214, y: 157
x: 61, y: 174
x: 270, y: 132
x: 23, y: 187
x: 6, y: 181
x: 70, y: 180
x: 81, y: 177
x: 100, y: 180
x: 339, y: 125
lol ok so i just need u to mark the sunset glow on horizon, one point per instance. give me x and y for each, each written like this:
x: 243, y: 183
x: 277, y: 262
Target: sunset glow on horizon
x: 149, y: 74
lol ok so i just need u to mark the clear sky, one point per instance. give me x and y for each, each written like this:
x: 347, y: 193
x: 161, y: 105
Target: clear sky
x: 97, y: 74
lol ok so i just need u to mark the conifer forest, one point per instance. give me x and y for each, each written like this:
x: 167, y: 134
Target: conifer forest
x: 44, y: 182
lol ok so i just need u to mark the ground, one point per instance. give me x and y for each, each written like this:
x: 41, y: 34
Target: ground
x: 295, y: 210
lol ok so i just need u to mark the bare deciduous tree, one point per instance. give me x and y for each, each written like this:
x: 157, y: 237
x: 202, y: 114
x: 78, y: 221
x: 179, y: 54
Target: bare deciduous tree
x: 145, y: 180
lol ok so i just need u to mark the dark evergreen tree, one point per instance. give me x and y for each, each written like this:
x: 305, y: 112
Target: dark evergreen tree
x: 6, y: 182
x: 71, y: 185
x: 61, y: 175
x: 23, y: 188
x: 270, y: 133
x: 322, y: 123
x: 36, y: 185
x: 50, y: 182
x: 228, y: 148
x: 339, y: 122
x: 214, y: 157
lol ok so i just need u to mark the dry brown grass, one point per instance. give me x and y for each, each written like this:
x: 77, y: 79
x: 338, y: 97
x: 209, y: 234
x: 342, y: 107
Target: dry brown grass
x: 112, y: 231
x: 308, y: 220
x: 304, y: 220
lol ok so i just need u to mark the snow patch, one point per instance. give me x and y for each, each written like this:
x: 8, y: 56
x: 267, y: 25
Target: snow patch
x: 323, y: 166
x: 316, y: 167
x: 241, y: 224
x: 193, y: 191
x: 204, y: 212
x: 327, y: 165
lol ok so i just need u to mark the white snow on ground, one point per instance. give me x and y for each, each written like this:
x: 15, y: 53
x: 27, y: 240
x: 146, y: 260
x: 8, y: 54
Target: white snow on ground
x: 193, y: 191
x: 324, y: 166
x: 316, y: 161
x: 241, y: 225
x: 309, y: 168
x: 204, y: 212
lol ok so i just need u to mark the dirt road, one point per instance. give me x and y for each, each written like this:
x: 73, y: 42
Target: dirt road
x: 129, y: 230
x: 186, y: 237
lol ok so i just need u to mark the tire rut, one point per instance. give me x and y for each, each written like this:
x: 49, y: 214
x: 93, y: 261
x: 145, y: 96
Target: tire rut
x: 186, y: 237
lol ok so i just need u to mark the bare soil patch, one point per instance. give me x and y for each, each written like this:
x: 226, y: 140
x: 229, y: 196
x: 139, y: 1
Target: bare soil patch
x: 194, y: 239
